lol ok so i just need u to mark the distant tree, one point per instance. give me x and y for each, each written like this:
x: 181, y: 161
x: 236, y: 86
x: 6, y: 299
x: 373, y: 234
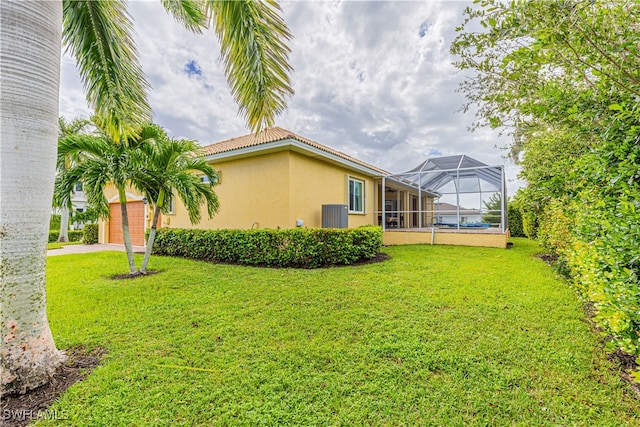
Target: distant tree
x: 562, y: 78
x: 88, y: 216
x: 494, y: 208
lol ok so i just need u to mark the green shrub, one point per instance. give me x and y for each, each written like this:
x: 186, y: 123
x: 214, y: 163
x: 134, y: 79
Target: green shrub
x: 555, y: 232
x: 54, y: 224
x: 530, y: 224
x: 595, y: 234
x: 303, y: 248
x: 514, y: 219
x: 74, y: 236
x: 90, y: 234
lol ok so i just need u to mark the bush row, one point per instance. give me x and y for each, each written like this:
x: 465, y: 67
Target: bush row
x: 74, y: 236
x: 595, y: 234
x: 302, y: 248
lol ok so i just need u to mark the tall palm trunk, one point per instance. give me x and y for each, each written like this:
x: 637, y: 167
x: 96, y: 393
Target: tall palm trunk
x: 125, y: 230
x: 63, y: 236
x: 152, y: 238
x: 152, y: 232
x: 30, y: 48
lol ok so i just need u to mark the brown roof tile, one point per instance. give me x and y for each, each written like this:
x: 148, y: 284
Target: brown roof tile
x: 275, y: 134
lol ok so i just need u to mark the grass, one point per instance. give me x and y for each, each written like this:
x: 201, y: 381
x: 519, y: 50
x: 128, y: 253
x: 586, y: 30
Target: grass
x: 435, y: 336
x: 58, y: 245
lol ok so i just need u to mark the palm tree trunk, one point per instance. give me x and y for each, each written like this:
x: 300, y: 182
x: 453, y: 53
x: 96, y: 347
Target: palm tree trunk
x: 30, y: 42
x: 64, y: 225
x: 152, y: 237
x: 125, y: 230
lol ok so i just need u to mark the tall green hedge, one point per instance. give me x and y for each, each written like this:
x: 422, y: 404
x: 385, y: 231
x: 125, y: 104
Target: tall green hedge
x: 90, y: 234
x: 302, y: 248
x: 515, y: 221
x: 595, y: 233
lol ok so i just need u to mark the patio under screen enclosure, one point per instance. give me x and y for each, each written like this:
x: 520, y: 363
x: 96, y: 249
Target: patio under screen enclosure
x: 454, y: 199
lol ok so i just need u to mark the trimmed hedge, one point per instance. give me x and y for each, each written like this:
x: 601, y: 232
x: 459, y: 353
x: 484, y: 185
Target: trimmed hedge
x: 302, y: 248
x: 90, y: 234
x: 74, y: 236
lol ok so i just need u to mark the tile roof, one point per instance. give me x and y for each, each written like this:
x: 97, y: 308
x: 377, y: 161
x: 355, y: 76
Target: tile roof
x: 275, y: 134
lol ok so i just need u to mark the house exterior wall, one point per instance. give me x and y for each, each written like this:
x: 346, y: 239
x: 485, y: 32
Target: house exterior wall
x: 251, y: 190
x: 314, y: 183
x: 267, y: 191
x: 275, y: 190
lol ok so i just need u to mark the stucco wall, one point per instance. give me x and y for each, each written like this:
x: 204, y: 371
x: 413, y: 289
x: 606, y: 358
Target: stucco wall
x: 251, y: 190
x: 400, y: 237
x: 314, y: 183
x: 275, y: 190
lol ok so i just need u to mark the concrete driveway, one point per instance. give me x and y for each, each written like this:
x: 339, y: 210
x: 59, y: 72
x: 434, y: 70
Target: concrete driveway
x: 98, y: 247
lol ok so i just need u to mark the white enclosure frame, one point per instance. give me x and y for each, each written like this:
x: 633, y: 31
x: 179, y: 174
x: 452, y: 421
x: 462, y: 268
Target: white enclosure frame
x: 431, y: 176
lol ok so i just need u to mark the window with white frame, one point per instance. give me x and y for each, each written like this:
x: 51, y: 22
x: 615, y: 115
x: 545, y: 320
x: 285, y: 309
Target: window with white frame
x: 356, y: 195
x: 205, y: 179
x: 171, y: 204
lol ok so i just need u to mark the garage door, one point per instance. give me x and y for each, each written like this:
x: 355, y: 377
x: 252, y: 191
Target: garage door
x: 135, y: 212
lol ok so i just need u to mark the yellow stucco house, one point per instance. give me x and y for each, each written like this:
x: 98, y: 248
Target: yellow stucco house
x: 278, y: 179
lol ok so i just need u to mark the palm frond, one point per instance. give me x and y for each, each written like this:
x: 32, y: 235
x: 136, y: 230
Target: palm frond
x: 77, y: 125
x: 190, y: 13
x: 98, y: 35
x: 253, y: 39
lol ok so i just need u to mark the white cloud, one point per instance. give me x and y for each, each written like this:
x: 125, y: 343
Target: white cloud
x: 373, y: 79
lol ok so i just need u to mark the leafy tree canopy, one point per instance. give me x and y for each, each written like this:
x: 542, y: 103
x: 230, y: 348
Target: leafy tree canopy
x: 563, y: 78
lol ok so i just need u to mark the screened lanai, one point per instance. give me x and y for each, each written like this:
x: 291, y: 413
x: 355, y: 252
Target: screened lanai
x: 454, y: 193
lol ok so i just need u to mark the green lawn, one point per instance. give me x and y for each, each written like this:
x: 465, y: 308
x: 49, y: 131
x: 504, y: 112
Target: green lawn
x: 435, y: 336
x: 58, y: 245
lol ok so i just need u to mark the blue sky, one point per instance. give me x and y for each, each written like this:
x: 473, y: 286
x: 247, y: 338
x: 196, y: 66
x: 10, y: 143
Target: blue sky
x: 192, y: 68
x: 373, y: 79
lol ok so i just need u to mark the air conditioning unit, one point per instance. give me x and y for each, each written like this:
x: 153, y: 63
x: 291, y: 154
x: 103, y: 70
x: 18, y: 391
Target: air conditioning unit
x: 335, y: 216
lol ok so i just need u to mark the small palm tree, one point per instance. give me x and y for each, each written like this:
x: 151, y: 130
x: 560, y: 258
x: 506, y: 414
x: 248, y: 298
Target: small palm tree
x: 104, y: 161
x: 173, y: 166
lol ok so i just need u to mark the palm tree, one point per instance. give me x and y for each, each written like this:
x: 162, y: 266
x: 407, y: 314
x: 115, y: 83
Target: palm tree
x: 253, y: 41
x: 173, y: 166
x: 103, y: 161
x: 66, y: 128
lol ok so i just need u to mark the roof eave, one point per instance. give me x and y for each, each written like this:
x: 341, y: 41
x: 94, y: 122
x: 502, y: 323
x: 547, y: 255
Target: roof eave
x: 296, y: 145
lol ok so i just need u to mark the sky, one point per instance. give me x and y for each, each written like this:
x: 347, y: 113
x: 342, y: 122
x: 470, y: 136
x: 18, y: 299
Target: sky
x: 373, y: 79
